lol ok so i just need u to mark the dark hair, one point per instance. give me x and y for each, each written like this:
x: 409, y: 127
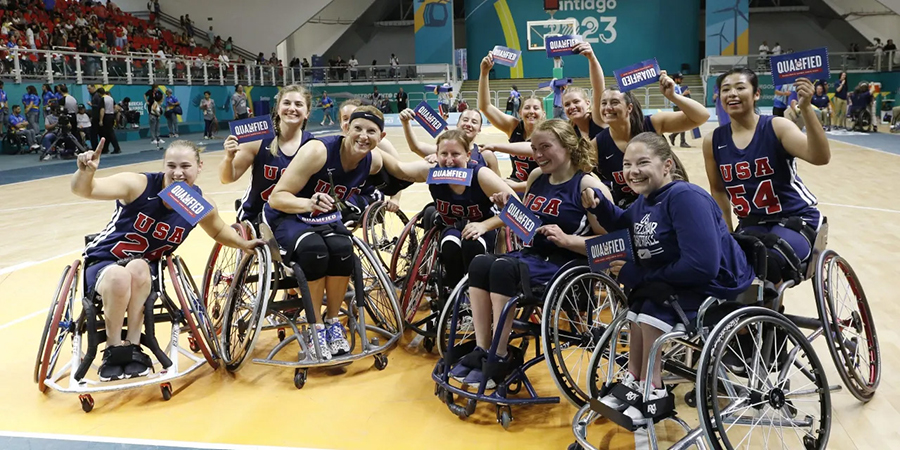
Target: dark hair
x: 862, y: 87
x: 31, y: 90
x: 751, y: 76
x: 46, y: 88
x: 661, y: 148
x: 636, y: 117
x: 207, y: 92
x: 62, y: 88
x: 101, y: 91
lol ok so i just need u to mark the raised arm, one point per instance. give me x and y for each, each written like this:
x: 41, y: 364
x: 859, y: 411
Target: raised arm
x: 691, y: 116
x: 309, y: 159
x: 499, y: 119
x: 125, y: 186
x: 490, y: 160
x: 416, y: 171
x: 716, y: 185
x: 511, y: 148
x: 598, y: 82
x: 420, y: 148
x: 238, y: 158
x: 812, y: 147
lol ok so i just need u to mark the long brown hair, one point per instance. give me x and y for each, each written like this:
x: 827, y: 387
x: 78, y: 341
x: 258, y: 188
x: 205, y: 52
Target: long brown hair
x: 636, y: 116
x: 660, y: 148
x: 276, y: 119
x: 581, y: 153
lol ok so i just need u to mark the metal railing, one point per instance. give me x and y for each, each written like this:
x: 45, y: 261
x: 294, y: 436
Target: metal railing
x: 52, y: 66
x: 837, y: 62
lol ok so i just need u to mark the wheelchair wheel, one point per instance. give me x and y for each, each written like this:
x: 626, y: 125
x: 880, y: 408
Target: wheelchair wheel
x: 849, y: 325
x: 196, y: 309
x: 189, y: 318
x: 760, y: 384
x: 405, y: 250
x: 603, y: 359
x: 245, y: 307
x: 578, y: 307
x: 381, y: 229
x: 381, y: 299
x: 465, y: 327
x: 217, y: 276
x: 421, y: 272
x: 59, y: 324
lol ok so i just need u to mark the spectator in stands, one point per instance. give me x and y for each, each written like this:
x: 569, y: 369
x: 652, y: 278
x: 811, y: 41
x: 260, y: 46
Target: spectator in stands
x: 239, y: 103
x: 4, y: 108
x: 229, y: 45
x: 780, y: 103
x: 822, y: 105
x: 353, y: 70
x: 20, y: 124
x: 208, y: 106
x: 107, y: 115
x: 890, y: 53
x: 173, y: 110
x: 777, y: 49
x: 878, y: 47
x: 273, y: 60
x: 51, y: 120
x: 260, y: 59
x: 188, y: 25
x: 395, y: 66
x: 70, y: 109
x: 211, y: 35
x: 32, y: 104
x: 402, y: 99
x: 29, y: 37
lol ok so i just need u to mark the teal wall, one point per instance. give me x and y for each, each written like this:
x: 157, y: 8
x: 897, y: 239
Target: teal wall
x: 622, y: 32
x: 434, y: 31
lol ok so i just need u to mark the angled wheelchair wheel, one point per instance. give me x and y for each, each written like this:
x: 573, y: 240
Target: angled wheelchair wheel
x: 59, y: 325
x: 195, y: 308
x: 185, y: 303
x: 245, y: 307
x: 578, y: 307
x: 605, y: 358
x: 217, y: 276
x: 405, y: 250
x: 459, y: 305
x: 849, y: 325
x: 420, y: 276
x: 381, y: 230
x: 381, y: 300
x: 761, y: 385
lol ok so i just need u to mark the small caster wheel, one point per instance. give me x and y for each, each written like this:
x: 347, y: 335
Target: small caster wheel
x: 166, y: 389
x: 381, y: 361
x: 504, y: 416
x: 87, y: 402
x: 690, y: 398
x: 428, y: 344
x: 809, y: 442
x: 195, y: 346
x: 574, y: 446
x: 300, y: 376
x: 375, y: 342
x: 470, y: 407
x: 281, y: 334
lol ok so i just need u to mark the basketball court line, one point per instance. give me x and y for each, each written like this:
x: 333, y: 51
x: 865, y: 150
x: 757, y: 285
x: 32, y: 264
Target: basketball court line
x: 117, y: 442
x: 23, y: 319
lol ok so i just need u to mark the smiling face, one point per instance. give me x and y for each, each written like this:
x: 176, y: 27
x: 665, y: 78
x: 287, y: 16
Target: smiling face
x: 549, y: 153
x: 737, y: 94
x: 452, y: 153
x: 532, y: 111
x: 576, y: 105
x: 614, y: 107
x: 645, y: 172
x: 363, y: 135
x: 181, y: 163
x: 293, y: 110
x: 469, y: 123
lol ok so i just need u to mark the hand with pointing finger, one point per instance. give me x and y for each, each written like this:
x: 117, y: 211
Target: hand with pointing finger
x: 90, y: 160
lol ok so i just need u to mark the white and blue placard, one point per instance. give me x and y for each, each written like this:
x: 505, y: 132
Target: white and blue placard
x: 430, y: 120
x: 561, y: 45
x: 450, y: 175
x: 520, y: 220
x: 637, y: 75
x: 812, y: 64
x: 437, y: 88
x: 615, y: 246
x: 506, y: 56
x: 186, y: 201
x: 252, y: 129
x: 696, y: 133
x: 320, y: 218
x: 555, y: 83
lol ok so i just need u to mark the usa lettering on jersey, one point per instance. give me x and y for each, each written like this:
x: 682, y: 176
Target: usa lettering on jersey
x: 339, y: 190
x: 470, y: 212
x: 742, y: 169
x: 136, y: 244
x: 764, y: 198
x: 538, y: 203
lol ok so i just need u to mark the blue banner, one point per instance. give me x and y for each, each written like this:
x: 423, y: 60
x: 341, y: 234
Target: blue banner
x: 450, y: 175
x: 506, y: 56
x: 320, y: 218
x: 812, y: 64
x: 186, y: 201
x: 615, y: 246
x: 252, y: 129
x: 430, y: 120
x: 638, y: 75
x: 561, y: 45
x: 555, y: 83
x: 520, y: 220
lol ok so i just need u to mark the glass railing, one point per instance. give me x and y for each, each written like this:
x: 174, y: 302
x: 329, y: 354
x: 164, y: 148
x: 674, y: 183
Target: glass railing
x: 837, y: 62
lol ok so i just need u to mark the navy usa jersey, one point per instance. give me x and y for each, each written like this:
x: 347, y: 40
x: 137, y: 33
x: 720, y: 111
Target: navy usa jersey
x: 521, y: 165
x: 762, y: 180
x: 609, y: 166
x: 144, y: 228
x: 557, y: 204
x: 265, y: 173
x: 473, y: 205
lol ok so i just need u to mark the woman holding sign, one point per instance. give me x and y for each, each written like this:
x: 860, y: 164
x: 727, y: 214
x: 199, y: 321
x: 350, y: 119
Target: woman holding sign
x: 682, y: 247
x: 304, y: 212
x: 466, y: 210
x: 289, y: 120
x: 752, y: 169
x: 585, y: 113
x: 469, y: 123
x: 622, y: 111
x: 553, y: 195
x: 119, y: 263
x: 519, y: 130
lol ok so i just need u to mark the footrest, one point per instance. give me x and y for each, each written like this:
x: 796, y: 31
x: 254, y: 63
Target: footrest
x: 619, y: 418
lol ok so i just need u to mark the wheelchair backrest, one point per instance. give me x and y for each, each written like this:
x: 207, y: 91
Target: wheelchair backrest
x: 818, y: 247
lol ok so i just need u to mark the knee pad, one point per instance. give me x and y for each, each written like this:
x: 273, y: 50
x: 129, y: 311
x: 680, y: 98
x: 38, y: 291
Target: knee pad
x: 472, y: 248
x: 451, y: 246
x: 340, y: 250
x: 312, y: 255
x: 505, y: 277
x: 480, y: 271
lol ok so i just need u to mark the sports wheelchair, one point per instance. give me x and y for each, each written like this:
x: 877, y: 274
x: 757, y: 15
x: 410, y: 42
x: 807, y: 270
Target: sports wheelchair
x: 862, y: 120
x: 568, y: 315
x: 241, y: 289
x: 756, y: 370
x: 78, y: 319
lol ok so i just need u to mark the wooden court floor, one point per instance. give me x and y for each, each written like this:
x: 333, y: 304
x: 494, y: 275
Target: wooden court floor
x: 43, y: 225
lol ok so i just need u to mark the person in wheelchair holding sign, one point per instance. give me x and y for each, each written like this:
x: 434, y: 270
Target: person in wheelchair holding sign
x: 684, y: 254
x: 466, y: 211
x: 119, y: 262
x: 305, y: 214
x: 564, y: 164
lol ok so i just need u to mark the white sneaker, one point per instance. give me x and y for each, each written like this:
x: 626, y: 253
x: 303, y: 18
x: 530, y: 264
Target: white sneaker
x: 322, y: 340
x: 161, y: 142
x: 636, y: 414
x: 154, y: 142
x: 613, y: 402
